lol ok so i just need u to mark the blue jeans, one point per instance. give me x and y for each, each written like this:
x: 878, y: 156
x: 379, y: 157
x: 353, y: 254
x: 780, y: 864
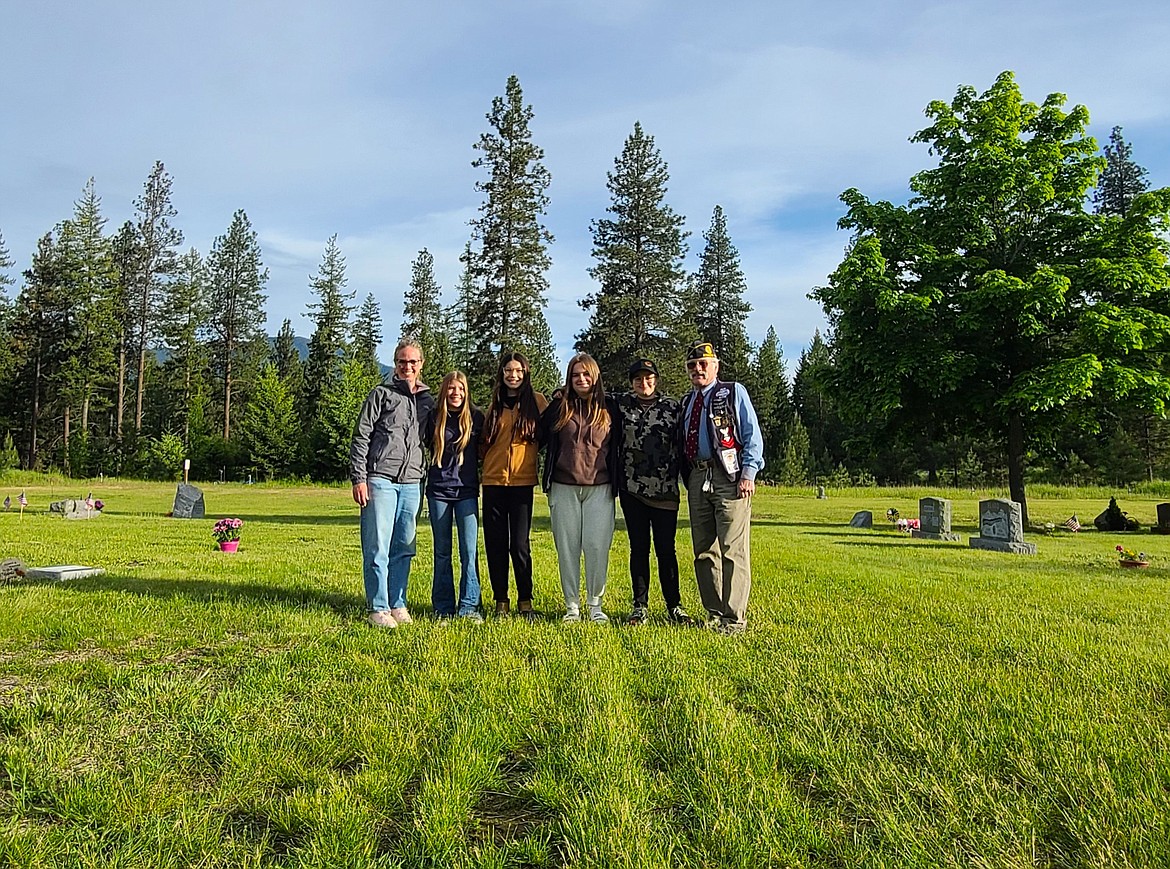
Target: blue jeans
x: 388, y: 541
x: 463, y: 515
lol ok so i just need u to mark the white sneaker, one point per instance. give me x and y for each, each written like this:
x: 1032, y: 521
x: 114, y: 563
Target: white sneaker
x: 597, y: 616
x: 571, y: 617
x: 382, y: 619
x: 401, y: 615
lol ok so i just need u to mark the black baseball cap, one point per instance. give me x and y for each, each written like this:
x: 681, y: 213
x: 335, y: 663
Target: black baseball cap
x: 640, y: 366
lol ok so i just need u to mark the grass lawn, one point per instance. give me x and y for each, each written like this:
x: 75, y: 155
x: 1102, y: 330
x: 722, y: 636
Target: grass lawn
x: 895, y: 702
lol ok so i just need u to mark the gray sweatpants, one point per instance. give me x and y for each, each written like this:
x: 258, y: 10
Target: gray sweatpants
x: 582, y: 519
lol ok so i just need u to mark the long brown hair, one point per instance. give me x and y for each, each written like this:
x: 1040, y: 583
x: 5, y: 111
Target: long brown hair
x: 439, y: 437
x: 592, y: 407
x: 527, y: 412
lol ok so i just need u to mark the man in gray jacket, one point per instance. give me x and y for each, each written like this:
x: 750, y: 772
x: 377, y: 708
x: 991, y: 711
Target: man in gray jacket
x: 387, y: 467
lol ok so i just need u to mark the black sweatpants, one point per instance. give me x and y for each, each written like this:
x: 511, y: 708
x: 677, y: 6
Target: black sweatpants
x: 507, y: 526
x: 642, y: 521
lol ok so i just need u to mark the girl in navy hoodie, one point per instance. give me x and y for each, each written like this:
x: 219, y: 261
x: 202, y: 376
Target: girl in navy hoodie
x: 453, y: 434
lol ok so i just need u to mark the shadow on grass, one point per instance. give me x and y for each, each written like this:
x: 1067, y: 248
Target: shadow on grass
x: 346, y: 605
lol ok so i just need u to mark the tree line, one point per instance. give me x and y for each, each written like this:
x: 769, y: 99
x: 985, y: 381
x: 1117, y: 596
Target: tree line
x: 1008, y: 321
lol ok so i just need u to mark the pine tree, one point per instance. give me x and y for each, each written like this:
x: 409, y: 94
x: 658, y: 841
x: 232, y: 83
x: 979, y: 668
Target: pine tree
x: 330, y: 315
x: 461, y: 333
x: 771, y: 399
x: 424, y: 319
x: 1122, y: 179
x: 89, y: 286
x: 270, y: 428
x: 719, y: 292
x: 639, y: 308
x: 153, y: 263
x: 340, y: 406
x: 236, y: 278
x: 510, y: 265
x: 6, y: 263
x: 183, y: 315
x: 367, y: 336
x: 813, y: 403
x: 7, y: 358
x: 286, y: 358
x: 796, y: 459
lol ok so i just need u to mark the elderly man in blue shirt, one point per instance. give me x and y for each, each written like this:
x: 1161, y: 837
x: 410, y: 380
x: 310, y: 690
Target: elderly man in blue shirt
x: 722, y: 451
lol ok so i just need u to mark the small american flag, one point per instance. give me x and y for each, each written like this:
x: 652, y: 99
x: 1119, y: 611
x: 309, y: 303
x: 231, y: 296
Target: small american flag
x: 89, y: 501
x: 23, y: 500
x: 1073, y: 524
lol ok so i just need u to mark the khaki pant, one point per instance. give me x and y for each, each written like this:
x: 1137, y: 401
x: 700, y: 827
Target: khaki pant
x: 721, y: 536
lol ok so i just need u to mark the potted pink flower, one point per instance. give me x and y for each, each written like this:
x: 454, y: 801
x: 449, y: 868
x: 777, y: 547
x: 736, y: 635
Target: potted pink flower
x: 227, y: 533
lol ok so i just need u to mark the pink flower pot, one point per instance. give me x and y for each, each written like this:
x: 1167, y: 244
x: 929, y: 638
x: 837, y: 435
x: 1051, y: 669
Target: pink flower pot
x: 229, y: 545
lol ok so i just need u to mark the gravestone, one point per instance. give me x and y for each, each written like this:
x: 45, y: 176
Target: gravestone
x: 934, y: 518
x: 58, y: 572
x: 73, y: 509
x: 1163, y: 526
x: 1001, y: 528
x: 188, y: 502
x: 861, y: 519
x: 821, y: 496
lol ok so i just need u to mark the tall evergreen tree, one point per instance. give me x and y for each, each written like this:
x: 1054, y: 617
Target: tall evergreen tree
x: 237, y: 278
x: 39, y: 326
x: 330, y: 314
x: 510, y: 264
x: 367, y: 336
x: 639, y: 308
x: 7, y: 358
x: 461, y: 332
x: 154, y: 262
x: 6, y: 280
x: 183, y: 317
x: 772, y: 400
x: 287, y: 358
x: 423, y: 316
x: 269, y: 429
x: 89, y: 287
x: 1121, y: 180
x: 720, y: 307
x: 813, y: 402
x: 125, y: 252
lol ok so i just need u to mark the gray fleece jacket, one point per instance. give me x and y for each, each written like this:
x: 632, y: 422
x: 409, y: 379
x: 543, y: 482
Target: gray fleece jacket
x: 387, y: 439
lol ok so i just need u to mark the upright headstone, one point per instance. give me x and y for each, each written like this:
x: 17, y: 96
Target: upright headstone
x: 821, y: 496
x: 862, y: 519
x: 188, y: 502
x: 934, y: 517
x: 1163, y: 526
x: 1001, y: 528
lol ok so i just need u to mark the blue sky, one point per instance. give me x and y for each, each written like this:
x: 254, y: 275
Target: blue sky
x: 358, y: 118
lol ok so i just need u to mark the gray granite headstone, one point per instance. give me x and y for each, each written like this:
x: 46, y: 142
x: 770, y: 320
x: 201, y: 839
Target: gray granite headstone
x: 73, y: 509
x: 934, y: 519
x: 1163, y: 526
x: 861, y: 519
x: 1001, y: 528
x: 821, y: 496
x: 188, y: 502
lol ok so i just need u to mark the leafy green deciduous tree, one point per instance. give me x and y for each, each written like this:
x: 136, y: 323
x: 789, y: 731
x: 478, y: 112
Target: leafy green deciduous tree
x: 639, y: 308
x: 720, y: 308
x: 992, y: 300
x: 509, y: 267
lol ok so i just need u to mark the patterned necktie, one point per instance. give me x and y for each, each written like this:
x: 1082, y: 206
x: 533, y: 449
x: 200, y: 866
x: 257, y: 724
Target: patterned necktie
x: 696, y: 420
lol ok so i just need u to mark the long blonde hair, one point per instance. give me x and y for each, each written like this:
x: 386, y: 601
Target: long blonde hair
x: 439, y: 438
x: 592, y: 407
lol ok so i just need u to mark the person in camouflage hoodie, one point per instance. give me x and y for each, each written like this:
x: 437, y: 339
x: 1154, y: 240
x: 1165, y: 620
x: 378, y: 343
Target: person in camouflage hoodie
x: 648, y: 488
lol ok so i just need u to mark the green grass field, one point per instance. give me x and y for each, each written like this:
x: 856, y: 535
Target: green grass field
x: 895, y: 702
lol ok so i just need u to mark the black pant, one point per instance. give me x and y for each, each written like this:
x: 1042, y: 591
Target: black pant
x: 641, y: 520
x: 507, y: 525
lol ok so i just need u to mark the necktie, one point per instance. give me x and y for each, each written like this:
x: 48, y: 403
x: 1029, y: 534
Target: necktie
x: 695, y: 421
